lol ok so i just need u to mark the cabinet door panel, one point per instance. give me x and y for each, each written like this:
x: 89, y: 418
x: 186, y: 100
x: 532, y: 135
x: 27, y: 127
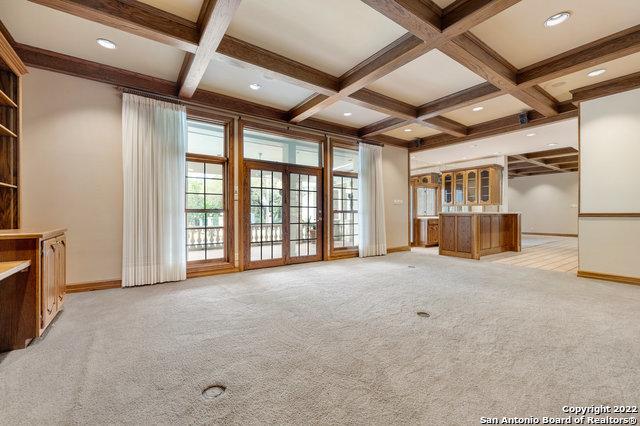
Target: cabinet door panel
x: 48, y: 282
x: 61, y: 270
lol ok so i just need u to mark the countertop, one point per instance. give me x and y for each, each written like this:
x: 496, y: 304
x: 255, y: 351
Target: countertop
x: 9, y: 268
x: 24, y: 233
x: 427, y: 217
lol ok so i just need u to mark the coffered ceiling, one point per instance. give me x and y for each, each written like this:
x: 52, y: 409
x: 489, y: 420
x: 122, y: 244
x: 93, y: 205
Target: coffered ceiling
x: 373, y: 68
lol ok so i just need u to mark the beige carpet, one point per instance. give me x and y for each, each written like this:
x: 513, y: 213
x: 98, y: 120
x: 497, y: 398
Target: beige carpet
x: 333, y: 343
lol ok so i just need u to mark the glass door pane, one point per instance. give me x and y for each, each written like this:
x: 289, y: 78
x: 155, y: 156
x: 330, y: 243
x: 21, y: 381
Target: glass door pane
x: 266, y: 209
x: 303, y: 215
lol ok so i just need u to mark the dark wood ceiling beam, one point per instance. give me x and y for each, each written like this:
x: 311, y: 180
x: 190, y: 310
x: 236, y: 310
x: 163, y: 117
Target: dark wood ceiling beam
x: 499, y: 126
x: 461, y: 99
x: 217, y: 17
x: 589, y: 55
x: 133, y: 17
x: 447, y: 126
x: 482, y: 60
x: 381, y: 103
x: 551, y: 153
x: 537, y: 162
x: 414, y: 15
x: 382, y: 126
x: 400, y: 52
x: 562, y: 160
x: 283, y: 68
x: 65, y: 64
x: 606, y: 88
x: 469, y: 13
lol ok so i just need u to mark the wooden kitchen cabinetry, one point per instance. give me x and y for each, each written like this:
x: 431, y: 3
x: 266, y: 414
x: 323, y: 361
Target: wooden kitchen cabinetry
x: 477, y: 186
x: 36, y: 296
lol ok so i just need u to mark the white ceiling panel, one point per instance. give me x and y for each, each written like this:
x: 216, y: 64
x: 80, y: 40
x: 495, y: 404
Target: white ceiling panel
x: 233, y: 78
x: 492, y: 109
x: 359, y: 117
x: 70, y: 35
x: 560, y: 87
x: 330, y: 35
x: 187, y: 9
x: 412, y: 131
x: 430, y: 77
x: 519, y: 34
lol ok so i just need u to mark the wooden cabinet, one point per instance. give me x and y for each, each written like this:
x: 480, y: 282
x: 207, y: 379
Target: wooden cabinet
x: 426, y: 232
x: 39, y: 293
x: 447, y: 188
x: 473, y: 186
x: 11, y: 71
x: 53, y: 278
x: 490, y: 187
x: 433, y: 232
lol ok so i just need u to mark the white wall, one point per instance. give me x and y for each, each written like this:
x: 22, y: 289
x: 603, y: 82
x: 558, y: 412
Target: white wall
x: 395, y: 170
x: 71, y: 163
x: 548, y: 203
x: 609, y: 153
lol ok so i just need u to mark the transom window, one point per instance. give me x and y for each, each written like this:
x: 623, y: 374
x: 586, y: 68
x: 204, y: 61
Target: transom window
x: 205, y: 192
x: 280, y: 149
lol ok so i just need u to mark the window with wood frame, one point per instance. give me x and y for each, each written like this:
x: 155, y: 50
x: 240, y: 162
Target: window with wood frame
x: 206, y: 192
x: 345, y: 198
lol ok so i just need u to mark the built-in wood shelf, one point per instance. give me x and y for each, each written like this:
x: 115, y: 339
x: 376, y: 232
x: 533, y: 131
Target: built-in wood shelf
x: 6, y: 100
x: 6, y: 132
x: 8, y: 185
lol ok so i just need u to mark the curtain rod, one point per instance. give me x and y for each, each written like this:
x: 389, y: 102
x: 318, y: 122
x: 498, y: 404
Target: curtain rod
x: 288, y: 126
x: 165, y: 98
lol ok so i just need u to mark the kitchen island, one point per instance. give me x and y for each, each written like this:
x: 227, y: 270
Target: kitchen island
x: 476, y: 234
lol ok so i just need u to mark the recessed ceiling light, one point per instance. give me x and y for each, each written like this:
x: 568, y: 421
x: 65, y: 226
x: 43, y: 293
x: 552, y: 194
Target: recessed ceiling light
x: 107, y: 44
x: 552, y: 144
x: 347, y: 114
x: 408, y: 130
x: 255, y: 86
x: 597, y: 72
x: 476, y: 109
x: 557, y: 19
x: 530, y: 134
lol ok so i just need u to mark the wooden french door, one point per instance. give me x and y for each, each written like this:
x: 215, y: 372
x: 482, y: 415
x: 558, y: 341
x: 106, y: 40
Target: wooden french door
x: 282, y: 214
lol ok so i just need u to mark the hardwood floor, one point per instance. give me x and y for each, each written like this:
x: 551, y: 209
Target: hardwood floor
x: 539, y: 252
x: 542, y: 252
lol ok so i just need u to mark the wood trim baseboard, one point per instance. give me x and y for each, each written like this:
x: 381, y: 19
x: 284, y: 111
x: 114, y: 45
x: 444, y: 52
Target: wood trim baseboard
x: 631, y: 214
x: 609, y: 277
x: 550, y: 234
x: 397, y: 249
x: 195, y: 273
x: 92, y: 285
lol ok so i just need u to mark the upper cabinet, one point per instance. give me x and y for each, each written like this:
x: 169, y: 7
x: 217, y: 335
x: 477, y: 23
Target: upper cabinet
x: 447, y: 188
x: 11, y: 70
x: 481, y: 186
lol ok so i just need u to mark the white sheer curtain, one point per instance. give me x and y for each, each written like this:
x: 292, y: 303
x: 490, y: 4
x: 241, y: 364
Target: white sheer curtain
x: 373, y: 240
x: 154, y: 137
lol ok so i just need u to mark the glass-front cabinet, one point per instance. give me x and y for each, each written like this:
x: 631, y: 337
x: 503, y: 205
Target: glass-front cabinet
x: 447, y: 188
x: 485, y: 186
x: 472, y: 187
x: 459, y: 187
x: 476, y: 186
